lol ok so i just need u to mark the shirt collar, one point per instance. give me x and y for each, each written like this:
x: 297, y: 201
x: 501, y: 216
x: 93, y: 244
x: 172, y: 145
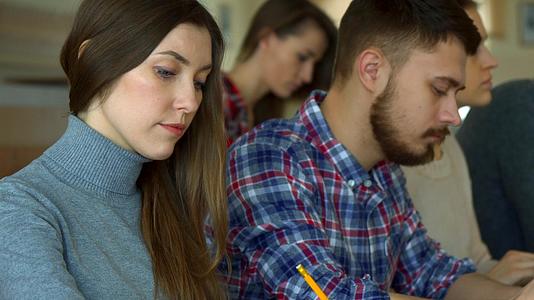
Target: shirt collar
x: 321, y: 137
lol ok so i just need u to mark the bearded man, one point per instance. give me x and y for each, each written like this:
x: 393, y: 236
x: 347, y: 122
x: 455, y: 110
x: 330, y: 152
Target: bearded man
x: 324, y: 188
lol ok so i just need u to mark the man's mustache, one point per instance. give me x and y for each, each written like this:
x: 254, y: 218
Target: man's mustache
x: 437, y: 132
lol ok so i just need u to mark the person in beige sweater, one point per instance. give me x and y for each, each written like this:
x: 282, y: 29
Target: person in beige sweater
x: 441, y: 190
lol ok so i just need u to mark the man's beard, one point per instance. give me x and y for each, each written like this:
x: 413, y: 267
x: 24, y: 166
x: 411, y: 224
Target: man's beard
x: 390, y: 139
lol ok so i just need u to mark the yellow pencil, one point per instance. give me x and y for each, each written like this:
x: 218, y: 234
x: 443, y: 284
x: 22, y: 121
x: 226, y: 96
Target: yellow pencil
x: 311, y: 282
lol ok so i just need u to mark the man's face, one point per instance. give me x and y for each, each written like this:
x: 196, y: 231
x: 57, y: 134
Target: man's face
x: 478, y: 69
x: 419, y: 103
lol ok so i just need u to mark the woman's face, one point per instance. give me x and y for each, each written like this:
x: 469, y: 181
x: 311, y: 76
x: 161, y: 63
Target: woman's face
x: 150, y: 107
x: 289, y: 61
x: 478, y: 81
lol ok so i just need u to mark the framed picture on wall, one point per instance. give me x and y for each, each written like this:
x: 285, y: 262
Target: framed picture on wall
x: 526, y: 25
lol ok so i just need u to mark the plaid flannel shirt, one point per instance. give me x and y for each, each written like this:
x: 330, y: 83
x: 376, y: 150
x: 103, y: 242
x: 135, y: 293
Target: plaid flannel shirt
x: 298, y: 196
x: 235, y: 111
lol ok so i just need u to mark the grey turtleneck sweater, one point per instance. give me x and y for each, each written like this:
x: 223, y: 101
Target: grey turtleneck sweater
x: 70, y: 223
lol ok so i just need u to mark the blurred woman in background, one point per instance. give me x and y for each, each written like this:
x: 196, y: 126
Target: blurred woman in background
x: 288, y: 50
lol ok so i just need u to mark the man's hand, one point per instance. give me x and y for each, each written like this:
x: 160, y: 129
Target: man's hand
x: 515, y: 268
x: 527, y: 293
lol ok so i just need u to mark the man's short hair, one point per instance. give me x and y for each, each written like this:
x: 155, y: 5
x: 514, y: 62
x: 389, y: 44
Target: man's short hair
x: 398, y: 26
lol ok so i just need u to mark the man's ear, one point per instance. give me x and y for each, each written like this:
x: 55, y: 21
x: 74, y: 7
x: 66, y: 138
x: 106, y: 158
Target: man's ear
x: 373, y: 70
x: 82, y: 48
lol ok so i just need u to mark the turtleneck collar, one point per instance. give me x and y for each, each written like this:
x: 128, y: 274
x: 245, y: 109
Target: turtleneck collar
x: 92, y: 161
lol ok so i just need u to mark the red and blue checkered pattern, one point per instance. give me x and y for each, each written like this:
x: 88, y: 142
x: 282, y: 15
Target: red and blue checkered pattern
x: 235, y: 111
x: 298, y: 196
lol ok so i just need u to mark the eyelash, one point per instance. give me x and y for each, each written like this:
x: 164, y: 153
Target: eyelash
x: 166, y: 74
x: 439, y: 92
x: 302, y: 57
x: 199, y: 85
x: 163, y: 73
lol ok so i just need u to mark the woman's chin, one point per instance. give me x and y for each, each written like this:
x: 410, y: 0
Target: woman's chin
x: 159, y: 154
x: 283, y: 93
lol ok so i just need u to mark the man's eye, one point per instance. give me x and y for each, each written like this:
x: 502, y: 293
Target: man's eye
x: 439, y: 92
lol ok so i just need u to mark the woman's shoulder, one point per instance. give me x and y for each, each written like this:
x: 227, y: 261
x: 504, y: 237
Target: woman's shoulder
x: 28, y: 188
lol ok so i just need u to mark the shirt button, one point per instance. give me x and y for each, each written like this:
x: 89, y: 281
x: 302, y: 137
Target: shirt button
x: 367, y: 183
x: 351, y: 183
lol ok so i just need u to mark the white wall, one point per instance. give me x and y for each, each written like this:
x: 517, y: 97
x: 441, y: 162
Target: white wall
x: 516, y: 60
x: 334, y: 8
x: 233, y: 16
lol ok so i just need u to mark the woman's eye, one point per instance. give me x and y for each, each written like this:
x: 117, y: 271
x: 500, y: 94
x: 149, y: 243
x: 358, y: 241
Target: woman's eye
x: 199, y: 85
x: 164, y: 73
x: 302, y: 57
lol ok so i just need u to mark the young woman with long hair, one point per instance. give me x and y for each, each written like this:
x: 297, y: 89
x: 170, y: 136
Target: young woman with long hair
x: 116, y: 208
x: 288, y: 50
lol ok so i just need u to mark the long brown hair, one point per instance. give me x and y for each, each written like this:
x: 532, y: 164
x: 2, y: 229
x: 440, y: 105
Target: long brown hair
x: 286, y: 17
x: 179, y: 193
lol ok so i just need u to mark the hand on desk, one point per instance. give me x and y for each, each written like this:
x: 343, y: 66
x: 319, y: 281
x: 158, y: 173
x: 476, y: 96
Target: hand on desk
x: 514, y: 268
x: 527, y: 293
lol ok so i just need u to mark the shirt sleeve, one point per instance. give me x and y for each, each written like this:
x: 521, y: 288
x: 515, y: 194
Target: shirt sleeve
x: 424, y: 269
x: 31, y: 251
x: 275, y: 224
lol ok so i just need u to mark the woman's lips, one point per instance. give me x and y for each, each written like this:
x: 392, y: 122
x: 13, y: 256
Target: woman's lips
x: 176, y: 129
x: 487, y: 84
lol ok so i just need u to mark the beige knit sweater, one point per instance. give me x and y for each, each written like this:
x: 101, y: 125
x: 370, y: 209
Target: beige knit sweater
x: 441, y: 192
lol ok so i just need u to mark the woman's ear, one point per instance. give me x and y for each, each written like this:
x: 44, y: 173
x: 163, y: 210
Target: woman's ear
x: 82, y: 48
x: 266, y: 38
x: 373, y: 70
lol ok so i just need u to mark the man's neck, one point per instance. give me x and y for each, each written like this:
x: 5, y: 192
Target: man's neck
x: 348, y: 115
